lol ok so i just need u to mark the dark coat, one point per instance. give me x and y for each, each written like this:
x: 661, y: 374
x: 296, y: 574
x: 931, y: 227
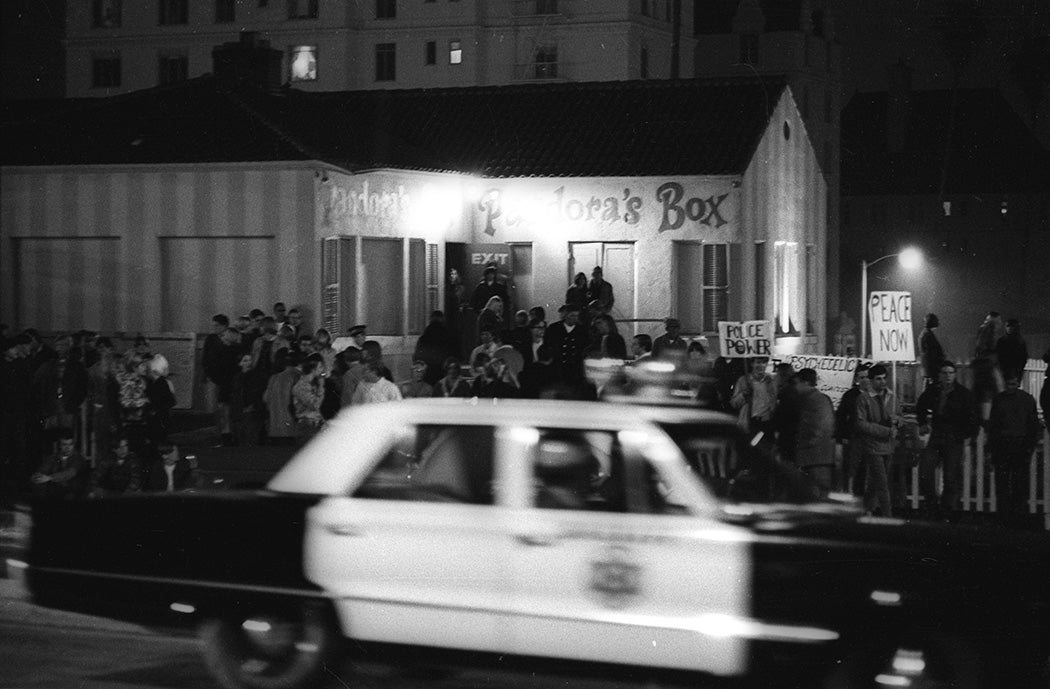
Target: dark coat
x: 567, y: 348
x: 1012, y: 352
x: 959, y: 419
x: 484, y: 291
x: 185, y: 476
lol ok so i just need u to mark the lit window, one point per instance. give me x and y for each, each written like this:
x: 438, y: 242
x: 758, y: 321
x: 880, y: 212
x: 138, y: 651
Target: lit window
x: 106, y: 14
x: 947, y: 205
x: 172, y: 69
x: 786, y: 267
x: 105, y: 71
x: 302, y: 9
x: 546, y: 63
x: 455, y: 52
x: 173, y: 12
x: 386, y: 61
x: 1004, y: 208
x: 386, y: 9
x: 225, y: 11
x: 303, y: 63
x: 432, y: 51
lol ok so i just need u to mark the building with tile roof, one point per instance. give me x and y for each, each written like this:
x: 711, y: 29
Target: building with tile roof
x: 701, y: 199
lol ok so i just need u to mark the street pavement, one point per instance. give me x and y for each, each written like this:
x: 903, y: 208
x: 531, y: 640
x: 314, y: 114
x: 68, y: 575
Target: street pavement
x: 42, y: 648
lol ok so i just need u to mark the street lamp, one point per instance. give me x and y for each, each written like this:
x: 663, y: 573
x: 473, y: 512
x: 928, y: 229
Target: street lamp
x: 909, y: 259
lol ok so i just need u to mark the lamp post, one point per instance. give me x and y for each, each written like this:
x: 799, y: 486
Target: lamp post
x: 909, y: 259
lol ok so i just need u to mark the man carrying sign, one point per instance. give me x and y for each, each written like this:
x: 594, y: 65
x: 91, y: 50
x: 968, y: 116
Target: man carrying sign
x: 755, y: 397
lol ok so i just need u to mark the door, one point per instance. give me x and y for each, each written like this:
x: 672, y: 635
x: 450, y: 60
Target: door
x: 617, y: 263
x: 417, y: 554
x: 607, y: 569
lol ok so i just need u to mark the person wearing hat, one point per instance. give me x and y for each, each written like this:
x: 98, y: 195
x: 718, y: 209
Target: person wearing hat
x: 566, y: 340
x: 489, y: 287
x: 670, y: 343
x: 1011, y: 350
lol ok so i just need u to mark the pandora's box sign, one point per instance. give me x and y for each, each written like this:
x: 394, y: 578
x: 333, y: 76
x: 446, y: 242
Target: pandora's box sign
x: 657, y: 204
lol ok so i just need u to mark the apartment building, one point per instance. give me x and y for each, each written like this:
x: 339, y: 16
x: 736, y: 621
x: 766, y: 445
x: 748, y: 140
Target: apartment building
x: 116, y: 46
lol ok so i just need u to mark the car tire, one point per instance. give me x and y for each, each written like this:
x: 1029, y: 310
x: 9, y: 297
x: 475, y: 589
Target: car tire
x: 278, y: 646
x: 920, y: 660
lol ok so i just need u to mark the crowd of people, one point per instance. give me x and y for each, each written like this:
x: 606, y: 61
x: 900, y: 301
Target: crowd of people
x: 271, y: 379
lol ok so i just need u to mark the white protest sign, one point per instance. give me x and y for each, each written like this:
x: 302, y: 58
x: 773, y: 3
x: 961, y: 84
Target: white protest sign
x: 746, y: 339
x: 891, y: 335
x: 834, y: 373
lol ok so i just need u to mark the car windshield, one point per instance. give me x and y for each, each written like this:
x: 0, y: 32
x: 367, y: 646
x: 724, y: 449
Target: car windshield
x: 736, y: 470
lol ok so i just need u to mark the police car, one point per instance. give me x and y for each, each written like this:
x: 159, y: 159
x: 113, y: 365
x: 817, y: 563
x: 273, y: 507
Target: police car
x: 635, y: 535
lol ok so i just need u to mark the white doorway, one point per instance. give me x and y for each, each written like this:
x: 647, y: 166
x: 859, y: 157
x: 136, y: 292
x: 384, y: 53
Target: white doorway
x: 617, y: 262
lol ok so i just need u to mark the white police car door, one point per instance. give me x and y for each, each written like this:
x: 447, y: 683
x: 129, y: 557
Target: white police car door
x: 417, y: 554
x: 610, y: 566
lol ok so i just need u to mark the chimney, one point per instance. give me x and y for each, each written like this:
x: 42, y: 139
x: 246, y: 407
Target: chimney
x: 249, y: 60
x: 898, y: 106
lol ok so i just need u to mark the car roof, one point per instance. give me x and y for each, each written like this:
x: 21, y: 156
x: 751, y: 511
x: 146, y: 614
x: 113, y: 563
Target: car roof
x: 535, y: 412
x: 366, y: 429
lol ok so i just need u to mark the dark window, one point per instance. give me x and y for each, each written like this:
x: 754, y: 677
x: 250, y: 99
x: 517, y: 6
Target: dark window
x: 817, y: 18
x: 760, y: 280
x: 174, y: 12
x: 547, y: 62
x: 225, y: 11
x: 436, y: 464
x: 383, y: 282
x: 386, y: 9
x: 417, y: 286
x: 432, y: 51
x: 715, y: 285
x: 647, y: 9
x: 386, y: 61
x: 749, y: 49
x: 172, y: 69
x: 302, y: 9
x: 643, y: 70
x: 105, y: 71
x: 455, y: 52
x: 546, y: 6
x: 106, y: 14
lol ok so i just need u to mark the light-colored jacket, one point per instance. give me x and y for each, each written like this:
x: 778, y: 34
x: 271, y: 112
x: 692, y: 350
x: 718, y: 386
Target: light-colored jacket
x: 875, y: 420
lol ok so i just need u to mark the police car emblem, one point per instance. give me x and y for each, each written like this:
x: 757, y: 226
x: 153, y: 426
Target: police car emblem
x: 615, y: 578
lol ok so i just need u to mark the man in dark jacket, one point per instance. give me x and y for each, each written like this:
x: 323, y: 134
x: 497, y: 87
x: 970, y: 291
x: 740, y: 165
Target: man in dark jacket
x: 566, y: 340
x: 489, y: 287
x: 1013, y: 431
x: 1011, y: 350
x: 931, y: 354
x: 845, y: 431
x: 947, y: 411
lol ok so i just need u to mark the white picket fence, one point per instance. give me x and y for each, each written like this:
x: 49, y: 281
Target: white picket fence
x: 978, y: 489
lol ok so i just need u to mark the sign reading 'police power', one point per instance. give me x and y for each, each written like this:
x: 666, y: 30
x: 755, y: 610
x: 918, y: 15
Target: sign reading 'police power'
x: 746, y: 339
x: 891, y: 335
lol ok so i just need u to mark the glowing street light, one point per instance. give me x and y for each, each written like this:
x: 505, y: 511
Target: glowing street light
x: 909, y: 259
